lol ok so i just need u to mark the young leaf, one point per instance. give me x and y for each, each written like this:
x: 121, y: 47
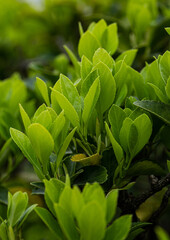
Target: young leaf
x: 71, y: 93
x: 116, y: 118
x: 53, y: 190
x: 88, y: 44
x: 17, y: 205
x: 167, y: 88
x: 116, y: 147
x: 159, y: 93
x: 69, y: 110
x: 108, y: 87
x: 50, y: 222
x: 44, y: 118
x: 42, y: 142
x: 88, y: 81
x: 164, y: 66
x: 65, y: 146
x: 115, y: 232
x: 110, y: 39
x: 111, y: 203
x: 128, y: 56
x: 92, y: 221
x: 90, y: 101
x: 57, y: 125
x: 25, y: 215
x: 101, y: 55
x: 99, y: 29
x: 25, y: 118
x: 43, y: 90
x: 124, y: 134
x: 66, y: 223
x: 86, y: 67
x: 24, y: 144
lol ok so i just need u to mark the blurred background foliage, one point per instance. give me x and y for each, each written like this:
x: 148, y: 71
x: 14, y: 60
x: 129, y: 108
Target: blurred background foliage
x: 33, y: 32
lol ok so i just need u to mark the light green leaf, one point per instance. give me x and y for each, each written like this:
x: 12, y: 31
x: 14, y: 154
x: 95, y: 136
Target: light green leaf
x: 43, y: 90
x: 159, y: 93
x: 25, y: 118
x: 164, y: 66
x: 124, y: 134
x: 25, y: 215
x: 65, y: 200
x: 111, y: 203
x: 57, y: 125
x: 116, y: 147
x: 116, y: 118
x: 66, y: 223
x: 88, y: 81
x: 161, y: 233
x: 88, y: 44
x: 54, y: 101
x: 50, y: 222
x: 24, y: 144
x: 108, y: 87
x: 99, y: 29
x: 42, y: 142
x: 115, y: 232
x: 77, y: 201
x: 128, y: 56
x: 17, y: 205
x: 167, y: 88
x: 101, y: 55
x: 71, y: 93
x: 144, y: 128
x: 53, y: 190
x: 65, y: 146
x: 44, y: 118
x: 92, y: 221
x: 168, y: 30
x: 90, y: 101
x: 86, y: 67
x: 110, y: 38
x: 69, y: 110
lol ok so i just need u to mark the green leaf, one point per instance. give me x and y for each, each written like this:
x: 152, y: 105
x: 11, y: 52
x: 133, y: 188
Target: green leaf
x: 88, y: 44
x: 24, y: 144
x: 108, y: 87
x: 69, y: 110
x: 39, y: 111
x: 66, y: 223
x: 3, y: 230
x: 73, y: 59
x: 167, y: 88
x: 25, y: 118
x: 70, y: 92
x: 168, y: 30
x: 86, y: 67
x: 65, y: 146
x: 44, y: 118
x: 116, y: 147
x: 50, y: 222
x: 144, y: 129
x: 128, y: 56
x: 16, y: 206
x: 90, y: 101
x: 101, y: 55
x: 57, y: 125
x: 161, y: 233
x: 116, y: 118
x: 88, y: 81
x: 77, y: 201
x: 145, y: 167
x: 124, y: 134
x: 91, y: 174
x: 42, y: 142
x: 159, y: 109
x: 110, y: 38
x: 25, y: 215
x: 159, y: 93
x: 43, y: 90
x: 92, y: 222
x: 99, y: 29
x: 94, y: 192
x: 114, y: 232
x: 164, y: 66
x: 111, y: 203
x: 53, y: 190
